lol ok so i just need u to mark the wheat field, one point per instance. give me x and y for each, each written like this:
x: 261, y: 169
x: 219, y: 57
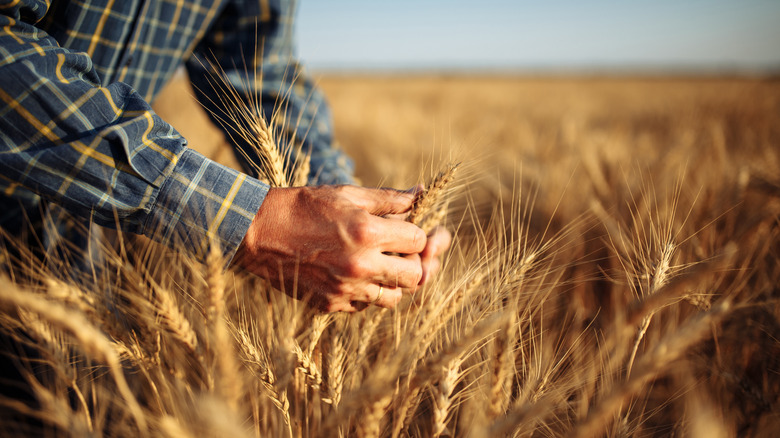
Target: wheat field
x: 614, y: 272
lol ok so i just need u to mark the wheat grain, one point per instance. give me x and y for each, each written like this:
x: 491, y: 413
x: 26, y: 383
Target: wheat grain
x: 427, y: 198
x: 442, y: 396
x: 173, y: 321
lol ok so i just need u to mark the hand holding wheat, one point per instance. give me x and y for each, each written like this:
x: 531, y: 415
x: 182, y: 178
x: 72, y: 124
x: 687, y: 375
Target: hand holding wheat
x: 332, y: 246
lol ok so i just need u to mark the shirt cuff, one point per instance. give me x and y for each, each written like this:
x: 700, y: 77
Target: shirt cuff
x: 203, y: 203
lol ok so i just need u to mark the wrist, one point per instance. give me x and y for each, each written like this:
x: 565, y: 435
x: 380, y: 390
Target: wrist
x: 262, y: 235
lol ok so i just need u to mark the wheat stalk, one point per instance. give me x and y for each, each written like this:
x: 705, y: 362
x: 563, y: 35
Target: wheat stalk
x: 302, y: 170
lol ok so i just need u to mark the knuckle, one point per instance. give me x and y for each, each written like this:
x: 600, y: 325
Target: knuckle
x: 361, y: 230
x: 369, y: 295
x: 356, y: 267
x: 338, y: 190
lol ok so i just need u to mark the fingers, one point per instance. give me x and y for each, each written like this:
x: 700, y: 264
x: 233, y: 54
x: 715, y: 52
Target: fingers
x: 396, y: 235
x: 410, y: 270
x: 394, y: 271
x: 377, y: 295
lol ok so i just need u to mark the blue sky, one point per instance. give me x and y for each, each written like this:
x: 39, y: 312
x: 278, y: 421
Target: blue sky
x: 563, y: 34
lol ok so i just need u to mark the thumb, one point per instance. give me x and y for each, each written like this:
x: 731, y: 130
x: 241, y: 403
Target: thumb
x: 415, y: 190
x: 381, y: 202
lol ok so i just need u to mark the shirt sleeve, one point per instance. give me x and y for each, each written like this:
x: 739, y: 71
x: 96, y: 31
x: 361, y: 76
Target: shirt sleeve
x: 251, y: 47
x: 102, y: 153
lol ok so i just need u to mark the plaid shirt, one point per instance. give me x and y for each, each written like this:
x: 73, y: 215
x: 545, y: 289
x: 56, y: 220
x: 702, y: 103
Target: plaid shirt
x: 76, y: 128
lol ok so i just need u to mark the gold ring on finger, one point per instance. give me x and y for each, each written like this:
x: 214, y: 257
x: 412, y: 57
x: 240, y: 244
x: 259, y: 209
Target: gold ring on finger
x: 379, y: 295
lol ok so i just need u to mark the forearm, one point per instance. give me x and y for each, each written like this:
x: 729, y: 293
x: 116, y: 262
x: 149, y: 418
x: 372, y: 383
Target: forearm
x: 103, y: 154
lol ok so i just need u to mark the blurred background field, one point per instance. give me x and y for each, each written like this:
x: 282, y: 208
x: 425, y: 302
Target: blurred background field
x: 615, y: 196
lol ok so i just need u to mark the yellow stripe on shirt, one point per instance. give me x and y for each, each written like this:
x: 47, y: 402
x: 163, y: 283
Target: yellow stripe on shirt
x: 99, y: 29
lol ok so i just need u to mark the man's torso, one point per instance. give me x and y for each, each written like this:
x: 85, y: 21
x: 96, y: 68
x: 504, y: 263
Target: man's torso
x: 139, y: 42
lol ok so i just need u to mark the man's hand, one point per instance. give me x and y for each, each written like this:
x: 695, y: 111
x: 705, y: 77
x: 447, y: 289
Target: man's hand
x: 332, y: 246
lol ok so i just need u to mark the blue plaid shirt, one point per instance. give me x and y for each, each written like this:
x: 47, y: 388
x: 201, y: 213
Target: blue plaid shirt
x: 76, y: 128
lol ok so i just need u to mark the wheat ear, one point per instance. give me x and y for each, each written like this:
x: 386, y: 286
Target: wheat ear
x: 174, y: 322
x: 266, y: 148
x: 302, y: 169
x: 659, y: 278
x: 370, y: 425
x: 442, y: 396
x: 266, y: 376
x: 307, y: 366
x: 427, y: 199
x: 500, y: 372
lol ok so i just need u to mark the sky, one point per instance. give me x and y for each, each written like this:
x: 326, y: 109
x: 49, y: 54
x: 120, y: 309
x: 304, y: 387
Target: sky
x: 719, y: 35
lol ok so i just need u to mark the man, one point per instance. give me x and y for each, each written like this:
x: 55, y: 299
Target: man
x: 76, y: 130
